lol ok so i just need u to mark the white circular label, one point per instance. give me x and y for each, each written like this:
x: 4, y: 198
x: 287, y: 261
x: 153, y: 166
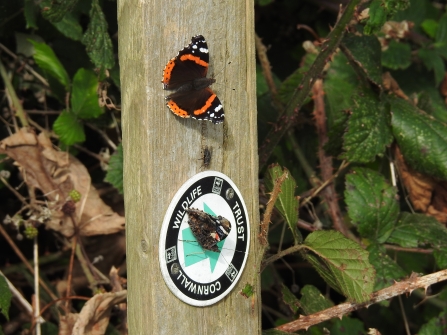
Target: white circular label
x: 201, y: 259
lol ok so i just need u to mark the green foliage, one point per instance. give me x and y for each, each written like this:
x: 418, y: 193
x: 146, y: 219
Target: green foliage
x: 421, y: 138
x: 5, y: 297
x: 54, y: 11
x: 115, y: 171
x: 372, y: 204
x: 397, y: 55
x: 286, y: 204
x: 97, y: 40
x: 289, y: 298
x: 312, y: 301
x: 69, y: 128
x: 84, y: 96
x: 387, y: 270
x: 49, y: 63
x: 436, y: 326
x: 342, y: 263
x: 368, y: 131
x: 381, y: 11
x: 70, y: 27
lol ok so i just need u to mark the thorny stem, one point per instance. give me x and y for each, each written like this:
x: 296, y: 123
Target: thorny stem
x: 399, y: 288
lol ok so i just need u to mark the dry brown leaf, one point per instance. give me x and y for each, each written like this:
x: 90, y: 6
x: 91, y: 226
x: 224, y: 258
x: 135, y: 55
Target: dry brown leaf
x: 94, y: 316
x: 56, y: 174
x: 426, y: 194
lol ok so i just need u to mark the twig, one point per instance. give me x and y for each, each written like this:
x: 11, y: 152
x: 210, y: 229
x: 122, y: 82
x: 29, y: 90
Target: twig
x: 12, y: 189
x: 399, y: 288
x: 103, y: 135
x: 25, y: 261
x: 329, y: 194
x: 36, y: 285
x: 70, y: 271
x: 16, y: 105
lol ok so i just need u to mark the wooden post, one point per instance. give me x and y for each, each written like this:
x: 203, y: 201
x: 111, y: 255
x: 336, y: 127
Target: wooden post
x: 162, y: 151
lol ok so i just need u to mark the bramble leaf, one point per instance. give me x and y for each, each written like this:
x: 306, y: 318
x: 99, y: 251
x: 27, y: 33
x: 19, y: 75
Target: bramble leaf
x: 342, y: 263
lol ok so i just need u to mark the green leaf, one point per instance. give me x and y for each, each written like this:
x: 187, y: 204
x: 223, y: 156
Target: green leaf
x: 115, y: 171
x: 47, y: 61
x: 377, y: 17
x: 430, y: 26
x: 368, y: 129
x: 69, y: 129
x: 347, y: 326
x: 312, y: 301
x: 30, y: 12
x: 5, y: 297
x: 421, y: 138
x: 441, y: 32
x: 248, y: 290
x: 397, y: 55
x: 372, y: 204
x: 436, y: 326
x: 54, y: 11
x: 342, y: 263
x: 365, y: 53
x: 84, y: 95
x: 287, y: 203
x: 70, y: 27
x: 97, y: 40
x: 387, y: 271
x: 289, y: 299
x: 433, y: 62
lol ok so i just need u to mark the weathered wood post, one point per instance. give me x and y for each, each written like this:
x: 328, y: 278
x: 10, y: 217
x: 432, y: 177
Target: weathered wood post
x: 162, y: 151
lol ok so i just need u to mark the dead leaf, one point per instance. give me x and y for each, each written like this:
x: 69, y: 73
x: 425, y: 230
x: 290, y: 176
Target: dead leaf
x: 427, y: 194
x: 94, y: 316
x: 56, y: 174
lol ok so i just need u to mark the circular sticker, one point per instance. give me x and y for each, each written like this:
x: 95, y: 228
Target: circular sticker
x: 204, y: 239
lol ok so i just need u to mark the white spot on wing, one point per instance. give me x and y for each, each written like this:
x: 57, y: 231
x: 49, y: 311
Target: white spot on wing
x: 218, y: 108
x: 204, y: 50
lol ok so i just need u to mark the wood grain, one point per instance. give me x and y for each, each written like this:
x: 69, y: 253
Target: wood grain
x: 162, y: 151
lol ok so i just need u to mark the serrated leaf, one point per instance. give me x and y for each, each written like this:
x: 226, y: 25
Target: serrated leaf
x: 97, y: 39
x: 413, y: 230
x: 115, y: 171
x: 69, y: 129
x: 54, y: 11
x: 286, y: 204
x: 397, y: 55
x: 312, y: 301
x: 84, y: 95
x: 340, y: 83
x: 5, y: 297
x: 248, y: 290
x: 364, y: 51
x: 387, y: 270
x: 70, y: 27
x: 368, y: 131
x: 372, y: 204
x: 30, y: 12
x: 436, y: 326
x: 289, y: 299
x: 342, y: 263
x: 421, y: 138
x: 47, y: 61
x: 433, y: 62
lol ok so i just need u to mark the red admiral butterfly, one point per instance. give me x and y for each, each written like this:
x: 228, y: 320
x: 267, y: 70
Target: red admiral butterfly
x: 208, y: 229
x: 186, y: 73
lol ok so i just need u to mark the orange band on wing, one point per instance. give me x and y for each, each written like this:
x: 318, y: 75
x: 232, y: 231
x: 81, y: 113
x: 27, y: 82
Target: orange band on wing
x: 207, y: 105
x: 194, y: 59
x: 167, y: 71
x: 177, y: 110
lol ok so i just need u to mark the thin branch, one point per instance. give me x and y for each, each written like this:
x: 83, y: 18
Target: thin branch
x: 399, y: 288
